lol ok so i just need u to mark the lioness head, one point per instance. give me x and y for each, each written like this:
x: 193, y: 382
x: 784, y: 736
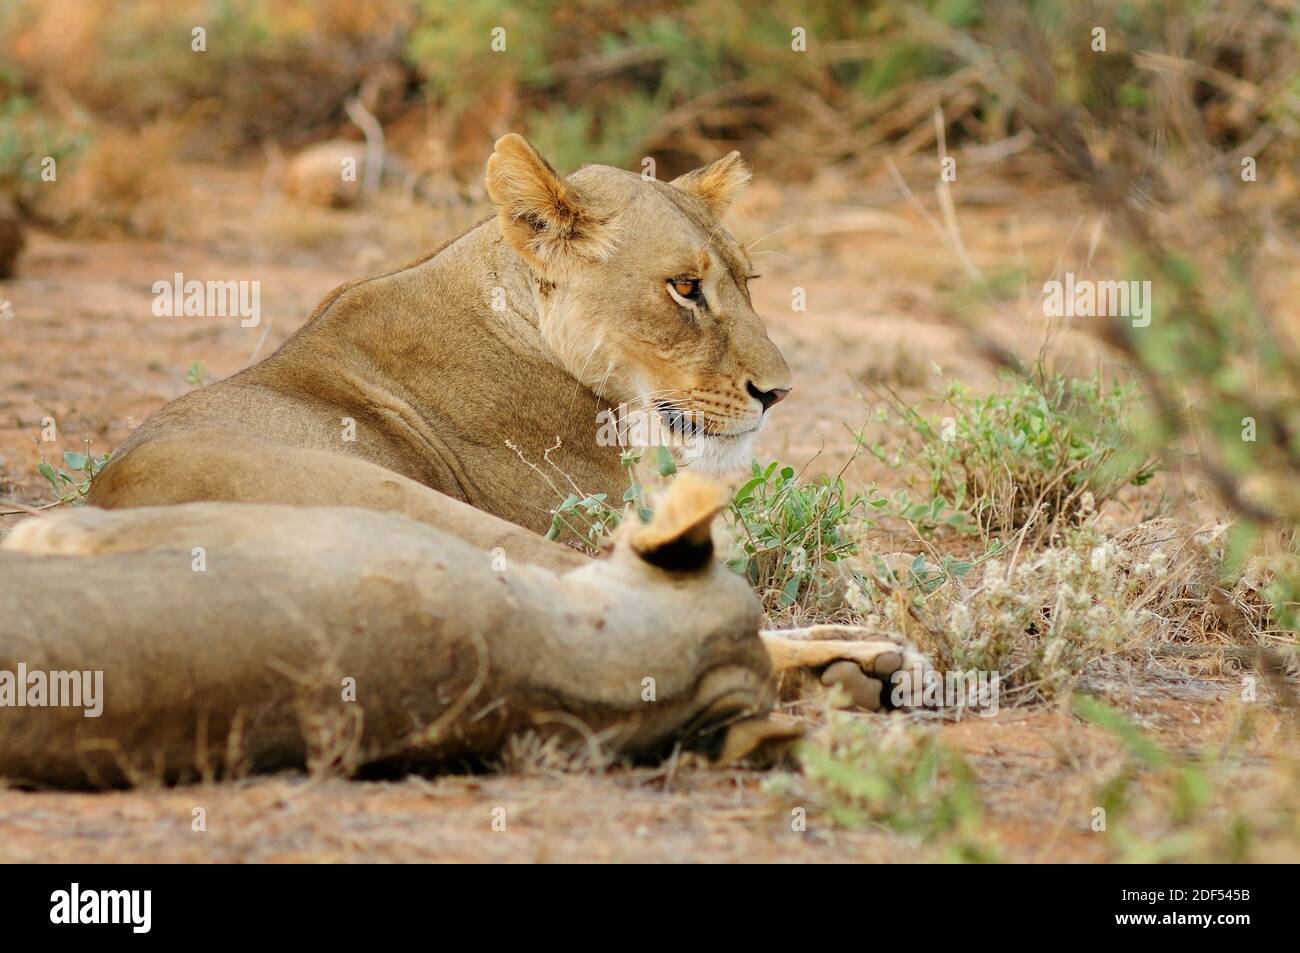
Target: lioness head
x: 643, y: 294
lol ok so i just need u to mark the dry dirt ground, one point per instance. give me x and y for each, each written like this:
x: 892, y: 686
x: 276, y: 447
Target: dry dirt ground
x: 79, y: 343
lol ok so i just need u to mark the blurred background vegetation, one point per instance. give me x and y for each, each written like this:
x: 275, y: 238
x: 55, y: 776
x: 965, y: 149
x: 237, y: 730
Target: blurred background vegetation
x: 602, y: 81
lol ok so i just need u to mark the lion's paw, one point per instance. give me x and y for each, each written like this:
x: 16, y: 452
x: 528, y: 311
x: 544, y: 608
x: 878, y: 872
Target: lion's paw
x: 871, y: 673
x: 863, y: 663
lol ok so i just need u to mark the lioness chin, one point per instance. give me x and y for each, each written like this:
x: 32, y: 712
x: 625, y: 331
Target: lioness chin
x: 438, y: 389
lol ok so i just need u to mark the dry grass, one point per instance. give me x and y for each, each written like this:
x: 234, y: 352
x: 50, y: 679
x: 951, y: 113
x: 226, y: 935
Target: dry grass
x: 135, y: 64
x: 124, y: 183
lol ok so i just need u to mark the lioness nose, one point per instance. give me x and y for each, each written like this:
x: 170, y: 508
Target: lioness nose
x: 766, y: 397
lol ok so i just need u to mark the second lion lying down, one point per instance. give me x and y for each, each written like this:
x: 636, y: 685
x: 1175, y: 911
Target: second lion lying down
x: 235, y: 637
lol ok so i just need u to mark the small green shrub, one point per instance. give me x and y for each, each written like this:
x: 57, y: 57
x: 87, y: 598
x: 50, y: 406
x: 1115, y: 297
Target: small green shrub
x: 859, y: 773
x: 790, y: 534
x: 1046, y: 452
x: 589, y: 518
x: 1037, y: 618
x: 73, y: 483
x: 27, y: 139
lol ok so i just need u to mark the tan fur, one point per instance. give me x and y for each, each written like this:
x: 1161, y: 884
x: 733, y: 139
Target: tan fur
x: 451, y: 396
x: 718, y: 184
x: 241, y: 665
x: 686, y: 513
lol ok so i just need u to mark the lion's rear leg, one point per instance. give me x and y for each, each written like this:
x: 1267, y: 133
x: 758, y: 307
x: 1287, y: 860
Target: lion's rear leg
x: 863, y: 667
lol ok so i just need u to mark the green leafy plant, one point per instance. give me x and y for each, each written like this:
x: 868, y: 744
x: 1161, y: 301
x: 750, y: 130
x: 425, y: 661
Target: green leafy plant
x: 924, y: 576
x: 591, y: 517
x: 1048, y: 451
x: 71, y: 484
x: 929, y: 516
x: 27, y: 139
x: 791, y: 533
x: 860, y: 773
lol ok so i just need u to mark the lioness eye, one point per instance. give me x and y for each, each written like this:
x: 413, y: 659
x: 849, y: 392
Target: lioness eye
x: 688, y: 288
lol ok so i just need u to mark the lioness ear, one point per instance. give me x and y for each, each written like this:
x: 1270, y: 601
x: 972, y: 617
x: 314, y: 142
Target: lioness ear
x: 679, y: 538
x: 717, y: 184
x: 541, y: 215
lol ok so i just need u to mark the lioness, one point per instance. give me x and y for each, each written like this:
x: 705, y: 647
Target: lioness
x: 444, y: 380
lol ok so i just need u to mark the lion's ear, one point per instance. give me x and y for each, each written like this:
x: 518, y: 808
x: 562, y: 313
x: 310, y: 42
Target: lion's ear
x: 717, y: 184
x: 679, y: 537
x: 541, y: 215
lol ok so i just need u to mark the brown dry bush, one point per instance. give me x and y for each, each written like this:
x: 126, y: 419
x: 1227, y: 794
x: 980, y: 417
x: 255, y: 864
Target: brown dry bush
x: 1044, y: 618
x: 270, y: 69
x: 122, y: 183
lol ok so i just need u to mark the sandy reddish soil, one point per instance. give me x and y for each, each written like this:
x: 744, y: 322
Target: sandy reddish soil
x: 1036, y: 772
x: 83, y: 346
